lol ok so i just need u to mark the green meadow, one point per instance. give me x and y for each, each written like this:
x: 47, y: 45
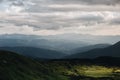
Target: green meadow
x: 78, y: 71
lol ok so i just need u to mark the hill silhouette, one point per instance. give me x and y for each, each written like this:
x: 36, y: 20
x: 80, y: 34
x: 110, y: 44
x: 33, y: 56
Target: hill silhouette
x: 87, y: 48
x: 113, y: 51
x: 35, y: 52
x: 14, y: 66
x: 17, y: 67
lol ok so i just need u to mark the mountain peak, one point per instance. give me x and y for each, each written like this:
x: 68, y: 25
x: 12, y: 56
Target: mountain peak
x: 118, y: 43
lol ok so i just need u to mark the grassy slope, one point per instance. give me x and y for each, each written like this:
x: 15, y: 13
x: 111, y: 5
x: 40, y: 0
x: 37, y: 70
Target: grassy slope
x: 16, y: 67
x: 76, y: 71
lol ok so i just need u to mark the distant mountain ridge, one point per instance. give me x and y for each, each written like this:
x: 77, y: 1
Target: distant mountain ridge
x: 113, y: 51
x: 58, y: 45
x: 35, y: 52
x: 42, y: 53
x: 61, y: 42
x: 90, y: 47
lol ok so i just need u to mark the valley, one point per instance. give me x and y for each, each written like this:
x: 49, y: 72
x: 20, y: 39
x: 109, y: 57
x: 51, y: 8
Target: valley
x: 17, y: 67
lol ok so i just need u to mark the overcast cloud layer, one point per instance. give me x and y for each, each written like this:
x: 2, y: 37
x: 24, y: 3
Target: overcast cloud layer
x: 51, y: 17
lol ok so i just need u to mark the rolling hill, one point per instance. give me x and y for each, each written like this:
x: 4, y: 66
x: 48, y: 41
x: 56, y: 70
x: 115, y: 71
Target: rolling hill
x: 113, y: 51
x: 87, y: 48
x: 17, y: 67
x: 35, y: 52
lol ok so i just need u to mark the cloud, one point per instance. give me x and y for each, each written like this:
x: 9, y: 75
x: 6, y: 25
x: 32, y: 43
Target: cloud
x: 101, y: 2
x: 59, y: 16
x: 14, y: 6
x: 115, y: 21
x: 62, y: 5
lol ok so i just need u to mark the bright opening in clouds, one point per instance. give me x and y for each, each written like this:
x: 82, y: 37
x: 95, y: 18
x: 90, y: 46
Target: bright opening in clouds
x: 51, y: 17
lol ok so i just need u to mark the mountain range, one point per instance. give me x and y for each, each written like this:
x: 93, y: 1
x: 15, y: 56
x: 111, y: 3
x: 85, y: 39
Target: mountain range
x: 87, y: 48
x: 35, y: 52
x: 91, y: 51
x: 56, y: 47
x: 63, y: 42
x: 113, y: 51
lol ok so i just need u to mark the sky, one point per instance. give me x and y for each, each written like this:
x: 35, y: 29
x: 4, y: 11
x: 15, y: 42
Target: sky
x: 52, y: 17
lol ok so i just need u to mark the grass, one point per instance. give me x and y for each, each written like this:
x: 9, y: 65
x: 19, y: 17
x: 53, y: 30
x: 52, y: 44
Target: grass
x: 16, y: 67
x: 93, y: 71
